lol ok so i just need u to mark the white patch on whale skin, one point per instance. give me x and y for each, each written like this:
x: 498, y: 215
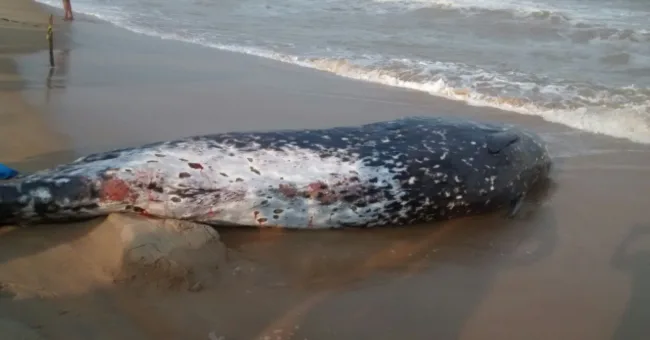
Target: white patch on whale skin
x: 253, y: 175
x: 41, y: 193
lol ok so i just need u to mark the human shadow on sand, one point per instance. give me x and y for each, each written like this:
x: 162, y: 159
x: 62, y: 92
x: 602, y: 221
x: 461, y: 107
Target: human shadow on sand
x: 634, y: 322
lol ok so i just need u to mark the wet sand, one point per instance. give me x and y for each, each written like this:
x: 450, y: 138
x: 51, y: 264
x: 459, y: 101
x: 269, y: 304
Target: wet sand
x: 23, y: 132
x: 573, y: 265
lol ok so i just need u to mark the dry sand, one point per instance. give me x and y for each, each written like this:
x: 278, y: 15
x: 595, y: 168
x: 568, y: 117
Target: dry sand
x: 573, y: 265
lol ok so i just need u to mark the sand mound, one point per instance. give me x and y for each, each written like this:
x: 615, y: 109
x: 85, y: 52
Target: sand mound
x: 76, y: 280
x: 168, y: 253
x: 55, y: 260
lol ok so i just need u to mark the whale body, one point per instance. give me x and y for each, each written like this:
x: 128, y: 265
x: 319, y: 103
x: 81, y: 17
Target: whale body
x: 399, y: 172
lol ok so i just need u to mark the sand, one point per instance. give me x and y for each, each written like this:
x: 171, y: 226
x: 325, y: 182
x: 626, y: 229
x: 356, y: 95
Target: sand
x: 573, y: 265
x: 23, y: 132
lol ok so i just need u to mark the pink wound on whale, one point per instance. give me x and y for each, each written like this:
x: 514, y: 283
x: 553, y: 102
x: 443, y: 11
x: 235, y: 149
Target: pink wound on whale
x: 317, y: 186
x: 320, y: 191
x: 115, y: 189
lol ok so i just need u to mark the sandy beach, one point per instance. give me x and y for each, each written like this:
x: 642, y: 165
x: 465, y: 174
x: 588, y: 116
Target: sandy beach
x: 572, y: 265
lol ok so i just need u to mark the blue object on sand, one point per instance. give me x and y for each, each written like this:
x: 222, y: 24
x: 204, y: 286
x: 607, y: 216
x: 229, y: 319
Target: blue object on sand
x: 7, y: 173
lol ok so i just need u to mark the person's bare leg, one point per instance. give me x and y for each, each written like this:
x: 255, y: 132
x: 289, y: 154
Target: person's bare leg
x: 68, y: 10
x: 65, y: 9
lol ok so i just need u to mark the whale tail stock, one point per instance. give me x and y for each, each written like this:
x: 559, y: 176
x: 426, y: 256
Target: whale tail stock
x: 35, y: 198
x: 9, y: 202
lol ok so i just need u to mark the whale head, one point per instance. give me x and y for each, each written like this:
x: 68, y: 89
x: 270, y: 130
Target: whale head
x: 518, y: 160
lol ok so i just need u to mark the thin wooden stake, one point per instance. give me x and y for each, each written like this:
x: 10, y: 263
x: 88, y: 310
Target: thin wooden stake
x: 50, y: 40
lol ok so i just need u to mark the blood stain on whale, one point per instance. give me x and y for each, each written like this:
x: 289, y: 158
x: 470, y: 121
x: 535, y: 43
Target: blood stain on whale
x: 260, y: 220
x: 321, y: 192
x: 115, y: 189
x: 288, y: 190
x: 142, y: 211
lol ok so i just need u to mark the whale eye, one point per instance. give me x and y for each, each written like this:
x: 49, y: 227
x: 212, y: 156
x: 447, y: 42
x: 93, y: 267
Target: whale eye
x: 500, y: 140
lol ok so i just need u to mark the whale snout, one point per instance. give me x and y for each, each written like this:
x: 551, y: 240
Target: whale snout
x: 529, y: 158
x: 519, y: 163
x: 535, y: 152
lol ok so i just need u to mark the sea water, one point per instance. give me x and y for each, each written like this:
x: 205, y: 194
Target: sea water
x: 582, y: 63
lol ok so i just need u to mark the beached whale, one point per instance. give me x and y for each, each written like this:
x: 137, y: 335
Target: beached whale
x: 398, y: 172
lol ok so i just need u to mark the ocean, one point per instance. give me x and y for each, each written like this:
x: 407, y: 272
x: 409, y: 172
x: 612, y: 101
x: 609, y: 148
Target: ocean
x: 581, y: 63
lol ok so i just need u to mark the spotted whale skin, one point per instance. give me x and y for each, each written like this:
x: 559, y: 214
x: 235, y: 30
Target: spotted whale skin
x: 399, y: 172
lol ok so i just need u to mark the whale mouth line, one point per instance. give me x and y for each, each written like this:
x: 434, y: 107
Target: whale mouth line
x: 498, y: 141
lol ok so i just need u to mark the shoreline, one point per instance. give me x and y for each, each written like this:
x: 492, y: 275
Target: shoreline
x: 572, y: 267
